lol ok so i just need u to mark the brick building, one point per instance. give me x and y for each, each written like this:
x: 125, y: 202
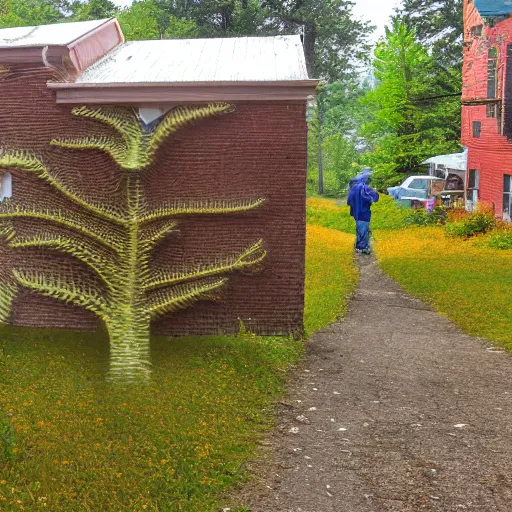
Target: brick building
x: 256, y: 151
x: 487, y: 103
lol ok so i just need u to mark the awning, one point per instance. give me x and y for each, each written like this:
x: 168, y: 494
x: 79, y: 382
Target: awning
x: 490, y: 8
x: 454, y: 161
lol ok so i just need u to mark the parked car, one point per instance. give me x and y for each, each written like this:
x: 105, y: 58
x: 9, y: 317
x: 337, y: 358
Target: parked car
x: 419, y: 191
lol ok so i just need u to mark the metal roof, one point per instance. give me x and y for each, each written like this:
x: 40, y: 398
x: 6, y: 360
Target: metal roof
x: 493, y: 7
x: 456, y: 161
x: 60, y: 34
x: 241, y: 59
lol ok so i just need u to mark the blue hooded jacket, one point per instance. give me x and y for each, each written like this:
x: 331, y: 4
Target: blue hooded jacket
x: 361, y: 196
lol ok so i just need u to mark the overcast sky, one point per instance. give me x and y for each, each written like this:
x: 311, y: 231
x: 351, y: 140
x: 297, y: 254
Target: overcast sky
x: 376, y: 11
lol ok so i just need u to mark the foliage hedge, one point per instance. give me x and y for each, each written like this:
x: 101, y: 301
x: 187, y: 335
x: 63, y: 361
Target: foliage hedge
x: 386, y: 214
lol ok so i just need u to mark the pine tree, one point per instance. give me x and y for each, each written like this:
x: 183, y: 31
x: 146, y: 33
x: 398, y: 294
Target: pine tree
x: 334, y: 42
x: 404, y: 125
x: 438, y: 25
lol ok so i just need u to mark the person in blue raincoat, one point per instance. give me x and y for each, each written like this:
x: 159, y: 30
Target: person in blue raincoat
x: 360, y: 199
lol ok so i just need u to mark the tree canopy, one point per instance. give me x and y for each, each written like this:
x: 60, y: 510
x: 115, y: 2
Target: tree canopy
x: 93, y: 10
x: 19, y: 13
x: 438, y: 25
x: 333, y: 39
x: 413, y: 113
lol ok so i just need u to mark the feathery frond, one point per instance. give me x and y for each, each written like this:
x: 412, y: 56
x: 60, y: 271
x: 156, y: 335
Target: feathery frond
x: 249, y: 258
x: 58, y: 287
x: 154, y: 234
x: 8, y: 292
x: 182, y: 296
x: 212, y: 207
x: 29, y: 162
x: 116, y: 242
x: 89, y: 229
x: 132, y: 148
x: 83, y: 250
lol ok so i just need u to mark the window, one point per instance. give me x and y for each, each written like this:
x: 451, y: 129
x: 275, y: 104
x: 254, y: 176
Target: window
x: 473, y: 187
x: 152, y: 115
x: 5, y: 186
x: 418, y: 184
x: 507, y: 197
x: 477, y: 128
x: 492, y: 110
x: 492, y: 73
x: 476, y: 31
x: 507, y: 107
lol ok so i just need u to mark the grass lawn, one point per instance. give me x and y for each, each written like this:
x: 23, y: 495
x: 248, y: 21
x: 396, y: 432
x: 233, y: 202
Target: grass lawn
x: 71, y: 442
x: 469, y: 283
x: 463, y: 280
x: 331, y: 275
x: 385, y: 215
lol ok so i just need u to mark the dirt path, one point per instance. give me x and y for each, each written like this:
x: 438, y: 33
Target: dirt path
x: 394, y: 410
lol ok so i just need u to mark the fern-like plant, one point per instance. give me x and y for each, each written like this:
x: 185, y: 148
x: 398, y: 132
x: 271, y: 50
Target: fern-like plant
x: 127, y: 294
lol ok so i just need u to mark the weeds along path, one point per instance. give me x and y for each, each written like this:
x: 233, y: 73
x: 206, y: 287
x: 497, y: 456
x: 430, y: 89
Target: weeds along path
x: 394, y: 409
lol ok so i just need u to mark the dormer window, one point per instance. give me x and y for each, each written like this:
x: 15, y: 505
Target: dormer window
x: 492, y: 72
x: 5, y: 186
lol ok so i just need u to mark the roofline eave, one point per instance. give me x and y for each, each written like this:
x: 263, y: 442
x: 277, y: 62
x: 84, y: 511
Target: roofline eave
x: 182, y: 92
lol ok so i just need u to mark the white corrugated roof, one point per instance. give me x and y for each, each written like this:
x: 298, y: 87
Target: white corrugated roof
x: 455, y: 161
x: 201, y: 60
x: 46, y: 35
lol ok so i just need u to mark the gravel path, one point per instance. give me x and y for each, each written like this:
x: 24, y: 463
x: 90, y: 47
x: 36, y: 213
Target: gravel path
x: 394, y: 409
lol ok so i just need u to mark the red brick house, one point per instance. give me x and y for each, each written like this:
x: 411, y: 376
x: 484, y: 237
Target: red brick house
x: 487, y: 103
x: 257, y: 151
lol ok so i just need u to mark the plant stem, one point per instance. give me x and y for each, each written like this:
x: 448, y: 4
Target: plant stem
x: 130, y: 356
x: 129, y: 327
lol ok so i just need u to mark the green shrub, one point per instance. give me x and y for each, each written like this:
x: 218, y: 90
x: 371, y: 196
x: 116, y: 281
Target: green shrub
x: 387, y: 214
x: 500, y: 239
x: 479, y: 222
x: 423, y: 218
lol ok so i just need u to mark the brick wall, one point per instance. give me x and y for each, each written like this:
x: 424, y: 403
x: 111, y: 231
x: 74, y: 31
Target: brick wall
x: 257, y: 151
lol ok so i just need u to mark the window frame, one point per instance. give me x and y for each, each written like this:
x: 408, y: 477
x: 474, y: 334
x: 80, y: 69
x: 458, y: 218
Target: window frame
x: 477, y: 129
x: 476, y: 31
x: 492, y: 67
x: 5, y: 186
x: 473, y: 189
x: 507, y: 197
